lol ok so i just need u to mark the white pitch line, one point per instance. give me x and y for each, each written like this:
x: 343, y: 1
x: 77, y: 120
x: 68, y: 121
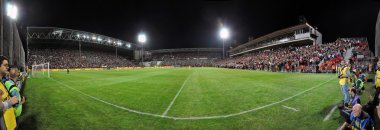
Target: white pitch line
x: 175, y: 97
x: 330, y: 113
x: 117, y: 106
x: 291, y: 108
x: 191, y: 118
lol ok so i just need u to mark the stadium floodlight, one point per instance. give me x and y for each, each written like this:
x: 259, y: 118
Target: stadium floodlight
x: 129, y: 45
x: 84, y: 36
x: 87, y: 36
x: 93, y: 38
x: 78, y: 35
x: 224, y: 33
x: 109, y: 41
x: 119, y: 43
x: 141, y: 38
x: 99, y: 39
x: 12, y: 11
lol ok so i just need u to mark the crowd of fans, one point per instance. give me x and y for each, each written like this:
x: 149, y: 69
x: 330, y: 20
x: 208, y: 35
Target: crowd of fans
x: 66, y: 58
x: 359, y: 47
x: 310, y: 58
x: 188, y: 59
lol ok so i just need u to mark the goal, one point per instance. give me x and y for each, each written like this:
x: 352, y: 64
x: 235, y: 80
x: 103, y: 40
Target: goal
x: 41, y: 70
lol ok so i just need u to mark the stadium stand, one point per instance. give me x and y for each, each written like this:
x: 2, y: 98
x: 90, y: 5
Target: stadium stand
x: 69, y: 58
x: 308, y: 58
x: 67, y: 48
x: 298, y: 35
x: 297, y: 48
x: 187, y: 56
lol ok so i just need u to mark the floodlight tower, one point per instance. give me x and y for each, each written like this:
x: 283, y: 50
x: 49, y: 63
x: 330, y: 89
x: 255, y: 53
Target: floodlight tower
x: 118, y: 45
x: 142, y: 39
x: 224, y: 34
x: 12, y: 13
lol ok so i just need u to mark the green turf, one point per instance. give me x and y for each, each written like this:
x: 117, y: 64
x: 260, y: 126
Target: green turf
x: 208, y: 92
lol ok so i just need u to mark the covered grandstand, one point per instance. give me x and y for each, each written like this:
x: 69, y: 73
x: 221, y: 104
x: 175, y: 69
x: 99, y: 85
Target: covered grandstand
x: 302, y: 34
x: 298, y: 49
x: 68, y: 48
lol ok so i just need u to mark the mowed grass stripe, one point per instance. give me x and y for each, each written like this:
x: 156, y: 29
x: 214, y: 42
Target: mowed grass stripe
x: 147, y: 92
x: 208, y: 117
x: 214, y: 93
x: 60, y: 108
x: 50, y: 106
x: 82, y: 80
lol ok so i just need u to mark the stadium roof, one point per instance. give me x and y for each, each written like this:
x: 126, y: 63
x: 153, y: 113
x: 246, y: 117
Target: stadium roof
x: 55, y: 33
x: 273, y: 35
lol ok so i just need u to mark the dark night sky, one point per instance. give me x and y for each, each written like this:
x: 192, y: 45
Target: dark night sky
x: 180, y: 24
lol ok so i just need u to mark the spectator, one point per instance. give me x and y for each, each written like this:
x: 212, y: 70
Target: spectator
x: 377, y: 84
x: 8, y: 119
x: 14, y: 90
x: 359, y: 120
x: 354, y: 99
x: 343, y: 82
x: 360, y: 83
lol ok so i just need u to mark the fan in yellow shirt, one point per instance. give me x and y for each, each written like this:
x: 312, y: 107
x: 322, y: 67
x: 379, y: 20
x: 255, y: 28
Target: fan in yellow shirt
x: 344, y: 74
x: 377, y: 84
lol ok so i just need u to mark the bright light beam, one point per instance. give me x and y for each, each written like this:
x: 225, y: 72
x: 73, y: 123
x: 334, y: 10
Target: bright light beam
x: 224, y: 33
x: 141, y: 38
x: 12, y: 11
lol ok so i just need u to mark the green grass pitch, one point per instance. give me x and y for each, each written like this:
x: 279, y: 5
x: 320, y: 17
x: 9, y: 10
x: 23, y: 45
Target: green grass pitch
x: 181, y: 98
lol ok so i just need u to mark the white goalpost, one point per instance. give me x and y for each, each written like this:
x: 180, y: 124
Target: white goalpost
x: 39, y: 70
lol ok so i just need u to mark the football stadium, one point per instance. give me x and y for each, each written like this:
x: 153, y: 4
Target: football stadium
x: 72, y: 66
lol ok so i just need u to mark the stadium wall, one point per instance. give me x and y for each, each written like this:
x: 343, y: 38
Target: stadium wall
x: 11, y: 45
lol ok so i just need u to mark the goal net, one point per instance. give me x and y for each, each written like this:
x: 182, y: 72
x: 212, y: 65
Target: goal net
x: 41, y: 70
